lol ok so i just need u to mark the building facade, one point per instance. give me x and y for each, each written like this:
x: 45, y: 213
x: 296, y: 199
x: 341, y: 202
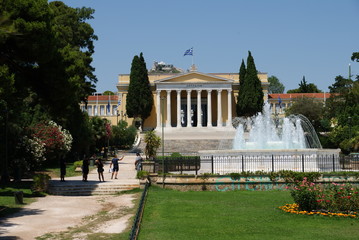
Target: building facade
x: 190, y: 100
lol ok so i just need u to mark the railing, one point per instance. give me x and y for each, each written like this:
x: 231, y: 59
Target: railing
x: 137, y: 221
x: 178, y: 164
x: 266, y: 163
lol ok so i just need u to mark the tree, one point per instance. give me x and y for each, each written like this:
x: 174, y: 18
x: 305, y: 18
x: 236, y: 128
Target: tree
x: 275, y: 86
x: 108, y: 93
x: 153, y: 142
x: 123, y: 136
x: 250, y: 100
x: 309, y: 107
x: 139, y: 101
x: 341, y: 85
x: 304, y: 87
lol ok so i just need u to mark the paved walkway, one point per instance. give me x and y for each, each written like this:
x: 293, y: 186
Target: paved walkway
x: 57, y: 213
x: 126, y: 174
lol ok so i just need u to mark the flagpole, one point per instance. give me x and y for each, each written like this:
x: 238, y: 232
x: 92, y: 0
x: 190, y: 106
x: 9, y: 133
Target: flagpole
x: 192, y: 57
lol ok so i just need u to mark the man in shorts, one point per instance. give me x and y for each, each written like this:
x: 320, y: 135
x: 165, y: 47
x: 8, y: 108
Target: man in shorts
x: 114, y: 163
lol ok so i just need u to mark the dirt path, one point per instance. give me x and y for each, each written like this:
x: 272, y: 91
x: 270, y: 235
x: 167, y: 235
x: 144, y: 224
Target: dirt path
x: 54, y: 214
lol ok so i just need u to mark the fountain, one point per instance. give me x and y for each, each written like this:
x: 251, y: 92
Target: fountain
x: 267, y: 144
x: 268, y: 133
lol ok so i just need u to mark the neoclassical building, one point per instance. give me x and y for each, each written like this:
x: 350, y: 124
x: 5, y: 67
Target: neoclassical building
x: 189, y: 100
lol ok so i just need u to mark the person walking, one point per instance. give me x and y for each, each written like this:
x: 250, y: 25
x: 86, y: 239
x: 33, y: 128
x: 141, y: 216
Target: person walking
x: 138, y: 162
x: 100, y: 169
x: 114, y: 163
x: 85, y: 168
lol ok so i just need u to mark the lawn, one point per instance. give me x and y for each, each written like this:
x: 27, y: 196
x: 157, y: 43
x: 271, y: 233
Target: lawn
x: 7, y: 199
x: 172, y: 214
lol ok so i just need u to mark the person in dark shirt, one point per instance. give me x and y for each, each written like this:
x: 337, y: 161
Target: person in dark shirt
x: 85, y: 168
x: 114, y: 163
x: 100, y: 169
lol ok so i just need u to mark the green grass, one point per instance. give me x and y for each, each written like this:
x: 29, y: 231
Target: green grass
x: 171, y: 214
x: 54, y: 171
x: 7, y: 199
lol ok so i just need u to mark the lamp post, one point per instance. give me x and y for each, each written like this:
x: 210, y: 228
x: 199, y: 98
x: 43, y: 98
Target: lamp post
x: 163, y: 133
x: 350, y: 127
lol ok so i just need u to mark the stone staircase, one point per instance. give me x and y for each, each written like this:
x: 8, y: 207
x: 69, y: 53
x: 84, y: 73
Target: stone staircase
x: 193, y: 140
x: 79, y: 188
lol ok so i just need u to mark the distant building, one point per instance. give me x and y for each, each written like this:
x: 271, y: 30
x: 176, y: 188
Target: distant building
x: 162, y: 67
x: 281, y: 101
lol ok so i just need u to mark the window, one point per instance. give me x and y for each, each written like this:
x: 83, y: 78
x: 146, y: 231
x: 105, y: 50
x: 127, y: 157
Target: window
x: 89, y: 110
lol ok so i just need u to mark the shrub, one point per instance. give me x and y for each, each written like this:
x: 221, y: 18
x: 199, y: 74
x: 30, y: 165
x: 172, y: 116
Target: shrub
x: 343, y: 198
x: 78, y: 164
x: 142, y: 174
x: 41, y: 183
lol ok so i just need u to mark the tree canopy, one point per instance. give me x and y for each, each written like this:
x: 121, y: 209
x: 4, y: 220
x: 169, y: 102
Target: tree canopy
x: 45, y: 67
x: 250, y: 96
x: 275, y: 86
x: 139, y: 100
x: 305, y: 87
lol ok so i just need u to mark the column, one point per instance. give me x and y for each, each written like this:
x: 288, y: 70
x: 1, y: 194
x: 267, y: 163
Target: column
x: 158, y: 108
x: 188, y: 108
x: 168, y: 122
x: 229, y: 121
x: 179, y: 109
x: 219, y: 108
x: 199, y: 109
x: 209, y: 108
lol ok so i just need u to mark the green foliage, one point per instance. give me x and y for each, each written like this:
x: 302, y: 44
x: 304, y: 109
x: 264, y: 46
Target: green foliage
x: 304, y: 87
x: 341, y: 85
x: 153, y: 142
x: 309, y: 107
x: 40, y: 183
x: 142, y: 174
x: 335, y: 198
x: 45, y: 68
x: 78, y: 164
x: 343, y: 110
x: 176, y: 155
x: 275, y: 86
x: 250, y: 96
x: 122, y: 135
x: 139, y: 100
x: 108, y: 93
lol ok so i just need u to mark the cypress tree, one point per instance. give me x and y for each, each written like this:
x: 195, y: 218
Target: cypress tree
x: 242, y: 74
x: 139, y: 100
x: 250, y: 99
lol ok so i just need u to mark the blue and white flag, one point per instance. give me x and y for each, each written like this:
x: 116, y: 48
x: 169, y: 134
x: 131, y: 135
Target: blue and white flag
x: 280, y: 102
x: 188, y: 52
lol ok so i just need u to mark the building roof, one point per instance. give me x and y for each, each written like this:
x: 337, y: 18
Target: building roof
x: 102, y: 98
x: 300, y: 95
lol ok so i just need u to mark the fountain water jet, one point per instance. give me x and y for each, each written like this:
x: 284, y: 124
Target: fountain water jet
x: 268, y: 144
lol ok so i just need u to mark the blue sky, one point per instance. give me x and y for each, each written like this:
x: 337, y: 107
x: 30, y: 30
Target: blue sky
x: 288, y: 39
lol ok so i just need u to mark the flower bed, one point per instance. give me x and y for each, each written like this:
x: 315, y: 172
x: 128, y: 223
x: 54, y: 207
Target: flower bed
x: 294, y: 208
x: 327, y: 200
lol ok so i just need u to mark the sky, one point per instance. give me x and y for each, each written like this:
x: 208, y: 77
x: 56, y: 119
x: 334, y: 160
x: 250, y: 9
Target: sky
x: 288, y: 39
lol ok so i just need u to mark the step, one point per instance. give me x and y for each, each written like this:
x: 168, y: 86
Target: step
x: 83, y: 189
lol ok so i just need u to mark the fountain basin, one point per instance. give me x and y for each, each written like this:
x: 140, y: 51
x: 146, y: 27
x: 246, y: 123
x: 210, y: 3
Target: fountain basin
x: 307, y: 160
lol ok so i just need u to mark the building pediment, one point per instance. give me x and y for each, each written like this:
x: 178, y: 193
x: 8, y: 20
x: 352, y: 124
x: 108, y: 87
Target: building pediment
x: 194, y: 78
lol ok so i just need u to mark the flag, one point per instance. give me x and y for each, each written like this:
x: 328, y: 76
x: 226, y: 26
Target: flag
x: 188, y: 52
x: 280, y: 102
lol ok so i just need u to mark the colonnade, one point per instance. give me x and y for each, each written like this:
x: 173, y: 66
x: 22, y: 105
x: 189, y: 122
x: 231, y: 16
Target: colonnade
x: 199, y: 109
